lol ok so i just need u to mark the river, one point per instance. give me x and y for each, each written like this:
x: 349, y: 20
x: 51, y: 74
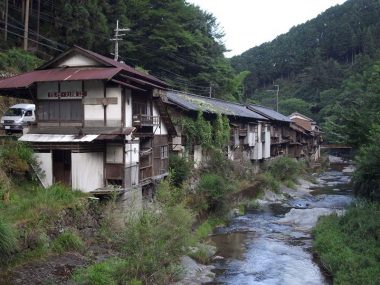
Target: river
x: 272, y: 244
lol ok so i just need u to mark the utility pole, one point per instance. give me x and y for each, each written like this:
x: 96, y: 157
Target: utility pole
x: 210, y: 91
x: 277, y: 90
x: 38, y: 22
x: 26, y: 25
x: 6, y: 21
x: 117, y: 38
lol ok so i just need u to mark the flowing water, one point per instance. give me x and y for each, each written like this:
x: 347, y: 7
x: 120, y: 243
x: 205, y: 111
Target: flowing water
x: 272, y: 245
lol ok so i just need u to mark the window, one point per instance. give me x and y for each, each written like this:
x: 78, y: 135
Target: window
x: 62, y: 110
x: 164, y: 152
x: 28, y: 113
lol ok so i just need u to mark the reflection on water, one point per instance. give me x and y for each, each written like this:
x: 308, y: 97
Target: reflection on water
x: 260, y: 248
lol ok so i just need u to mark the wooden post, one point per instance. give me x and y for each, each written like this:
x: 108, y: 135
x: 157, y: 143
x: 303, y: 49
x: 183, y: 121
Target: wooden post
x: 26, y: 25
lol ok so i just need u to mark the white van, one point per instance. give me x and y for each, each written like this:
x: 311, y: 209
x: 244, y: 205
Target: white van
x: 18, y: 117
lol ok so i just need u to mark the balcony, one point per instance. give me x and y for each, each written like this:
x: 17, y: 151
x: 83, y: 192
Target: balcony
x: 141, y: 120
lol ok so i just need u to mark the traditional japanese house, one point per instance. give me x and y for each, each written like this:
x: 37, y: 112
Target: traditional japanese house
x: 250, y: 131
x: 100, y: 123
x: 312, y: 138
x: 280, y: 135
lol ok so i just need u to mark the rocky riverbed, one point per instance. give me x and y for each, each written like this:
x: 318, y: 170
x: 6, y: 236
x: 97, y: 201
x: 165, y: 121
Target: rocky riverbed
x: 272, y: 244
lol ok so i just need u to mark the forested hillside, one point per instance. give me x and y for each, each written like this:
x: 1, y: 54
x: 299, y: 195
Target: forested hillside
x: 171, y: 39
x: 316, y: 63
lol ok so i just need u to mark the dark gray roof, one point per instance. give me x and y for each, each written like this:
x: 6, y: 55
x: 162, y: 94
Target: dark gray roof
x: 269, y: 113
x: 193, y: 102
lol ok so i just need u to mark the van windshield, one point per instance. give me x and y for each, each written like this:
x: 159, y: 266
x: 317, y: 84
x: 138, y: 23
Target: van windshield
x: 14, y: 112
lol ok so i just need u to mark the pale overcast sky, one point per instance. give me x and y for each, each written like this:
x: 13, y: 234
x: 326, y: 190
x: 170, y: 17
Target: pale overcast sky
x: 249, y: 23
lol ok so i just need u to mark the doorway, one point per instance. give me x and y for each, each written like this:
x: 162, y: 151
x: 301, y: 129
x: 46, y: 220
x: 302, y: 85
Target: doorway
x: 62, y: 167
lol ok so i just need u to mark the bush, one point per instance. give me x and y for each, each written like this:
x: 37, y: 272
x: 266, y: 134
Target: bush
x: 67, y: 241
x: 15, y: 157
x: 18, y: 60
x: 168, y: 194
x: 214, y: 189
x: 179, y: 169
x: 349, y: 245
x: 150, y: 249
x: 284, y: 168
x: 8, y: 241
x: 266, y: 181
x: 367, y: 175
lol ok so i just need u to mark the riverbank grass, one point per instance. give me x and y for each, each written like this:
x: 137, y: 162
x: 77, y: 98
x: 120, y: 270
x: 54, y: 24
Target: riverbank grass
x: 349, y: 246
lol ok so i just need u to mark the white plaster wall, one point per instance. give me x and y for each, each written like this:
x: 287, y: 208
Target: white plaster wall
x: 258, y: 149
x: 161, y: 130
x: 114, y: 153
x: 267, y: 143
x: 132, y: 158
x: 45, y: 161
x: 43, y: 88
x: 114, y: 110
x: 78, y: 60
x: 197, y: 155
x: 87, y: 171
x: 94, y: 89
x: 128, y: 108
x: 132, y: 151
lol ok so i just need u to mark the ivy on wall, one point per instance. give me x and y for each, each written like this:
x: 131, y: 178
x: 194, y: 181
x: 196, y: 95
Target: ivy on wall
x: 210, y: 135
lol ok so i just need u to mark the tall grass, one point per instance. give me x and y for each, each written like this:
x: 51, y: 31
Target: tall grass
x: 8, y: 241
x: 67, y: 241
x: 349, y: 246
x: 149, y: 249
x: 30, y: 201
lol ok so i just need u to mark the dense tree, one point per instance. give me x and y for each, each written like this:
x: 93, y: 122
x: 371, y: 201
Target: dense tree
x: 172, y: 39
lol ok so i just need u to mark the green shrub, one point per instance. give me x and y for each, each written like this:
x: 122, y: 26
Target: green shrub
x: 266, y: 181
x: 179, y: 169
x: 153, y: 243
x: 67, y: 241
x: 218, y: 163
x: 214, y: 188
x: 15, y: 157
x: 284, y: 168
x: 19, y: 60
x: 8, y: 241
x: 168, y: 194
x: 349, y: 245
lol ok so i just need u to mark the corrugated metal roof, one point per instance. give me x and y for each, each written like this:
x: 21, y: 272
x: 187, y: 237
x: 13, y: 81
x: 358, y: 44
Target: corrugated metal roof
x: 57, y: 74
x: 56, y: 138
x: 211, y: 105
x: 48, y: 72
x: 269, y: 113
x: 84, y: 131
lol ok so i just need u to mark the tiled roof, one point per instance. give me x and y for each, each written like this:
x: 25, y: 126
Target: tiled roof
x: 193, y: 102
x: 269, y: 113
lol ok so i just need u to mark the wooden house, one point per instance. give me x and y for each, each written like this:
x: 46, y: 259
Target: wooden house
x: 280, y: 135
x: 250, y: 131
x: 309, y: 136
x: 100, y: 123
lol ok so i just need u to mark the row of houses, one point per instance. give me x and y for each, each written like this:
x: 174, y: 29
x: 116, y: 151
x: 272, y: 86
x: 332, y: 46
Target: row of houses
x: 103, y: 125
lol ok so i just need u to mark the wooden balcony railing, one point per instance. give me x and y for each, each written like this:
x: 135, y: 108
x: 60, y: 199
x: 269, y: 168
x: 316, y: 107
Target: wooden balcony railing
x: 141, y: 120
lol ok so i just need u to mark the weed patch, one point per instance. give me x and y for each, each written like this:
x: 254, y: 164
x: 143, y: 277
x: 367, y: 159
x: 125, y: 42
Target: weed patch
x: 349, y: 247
